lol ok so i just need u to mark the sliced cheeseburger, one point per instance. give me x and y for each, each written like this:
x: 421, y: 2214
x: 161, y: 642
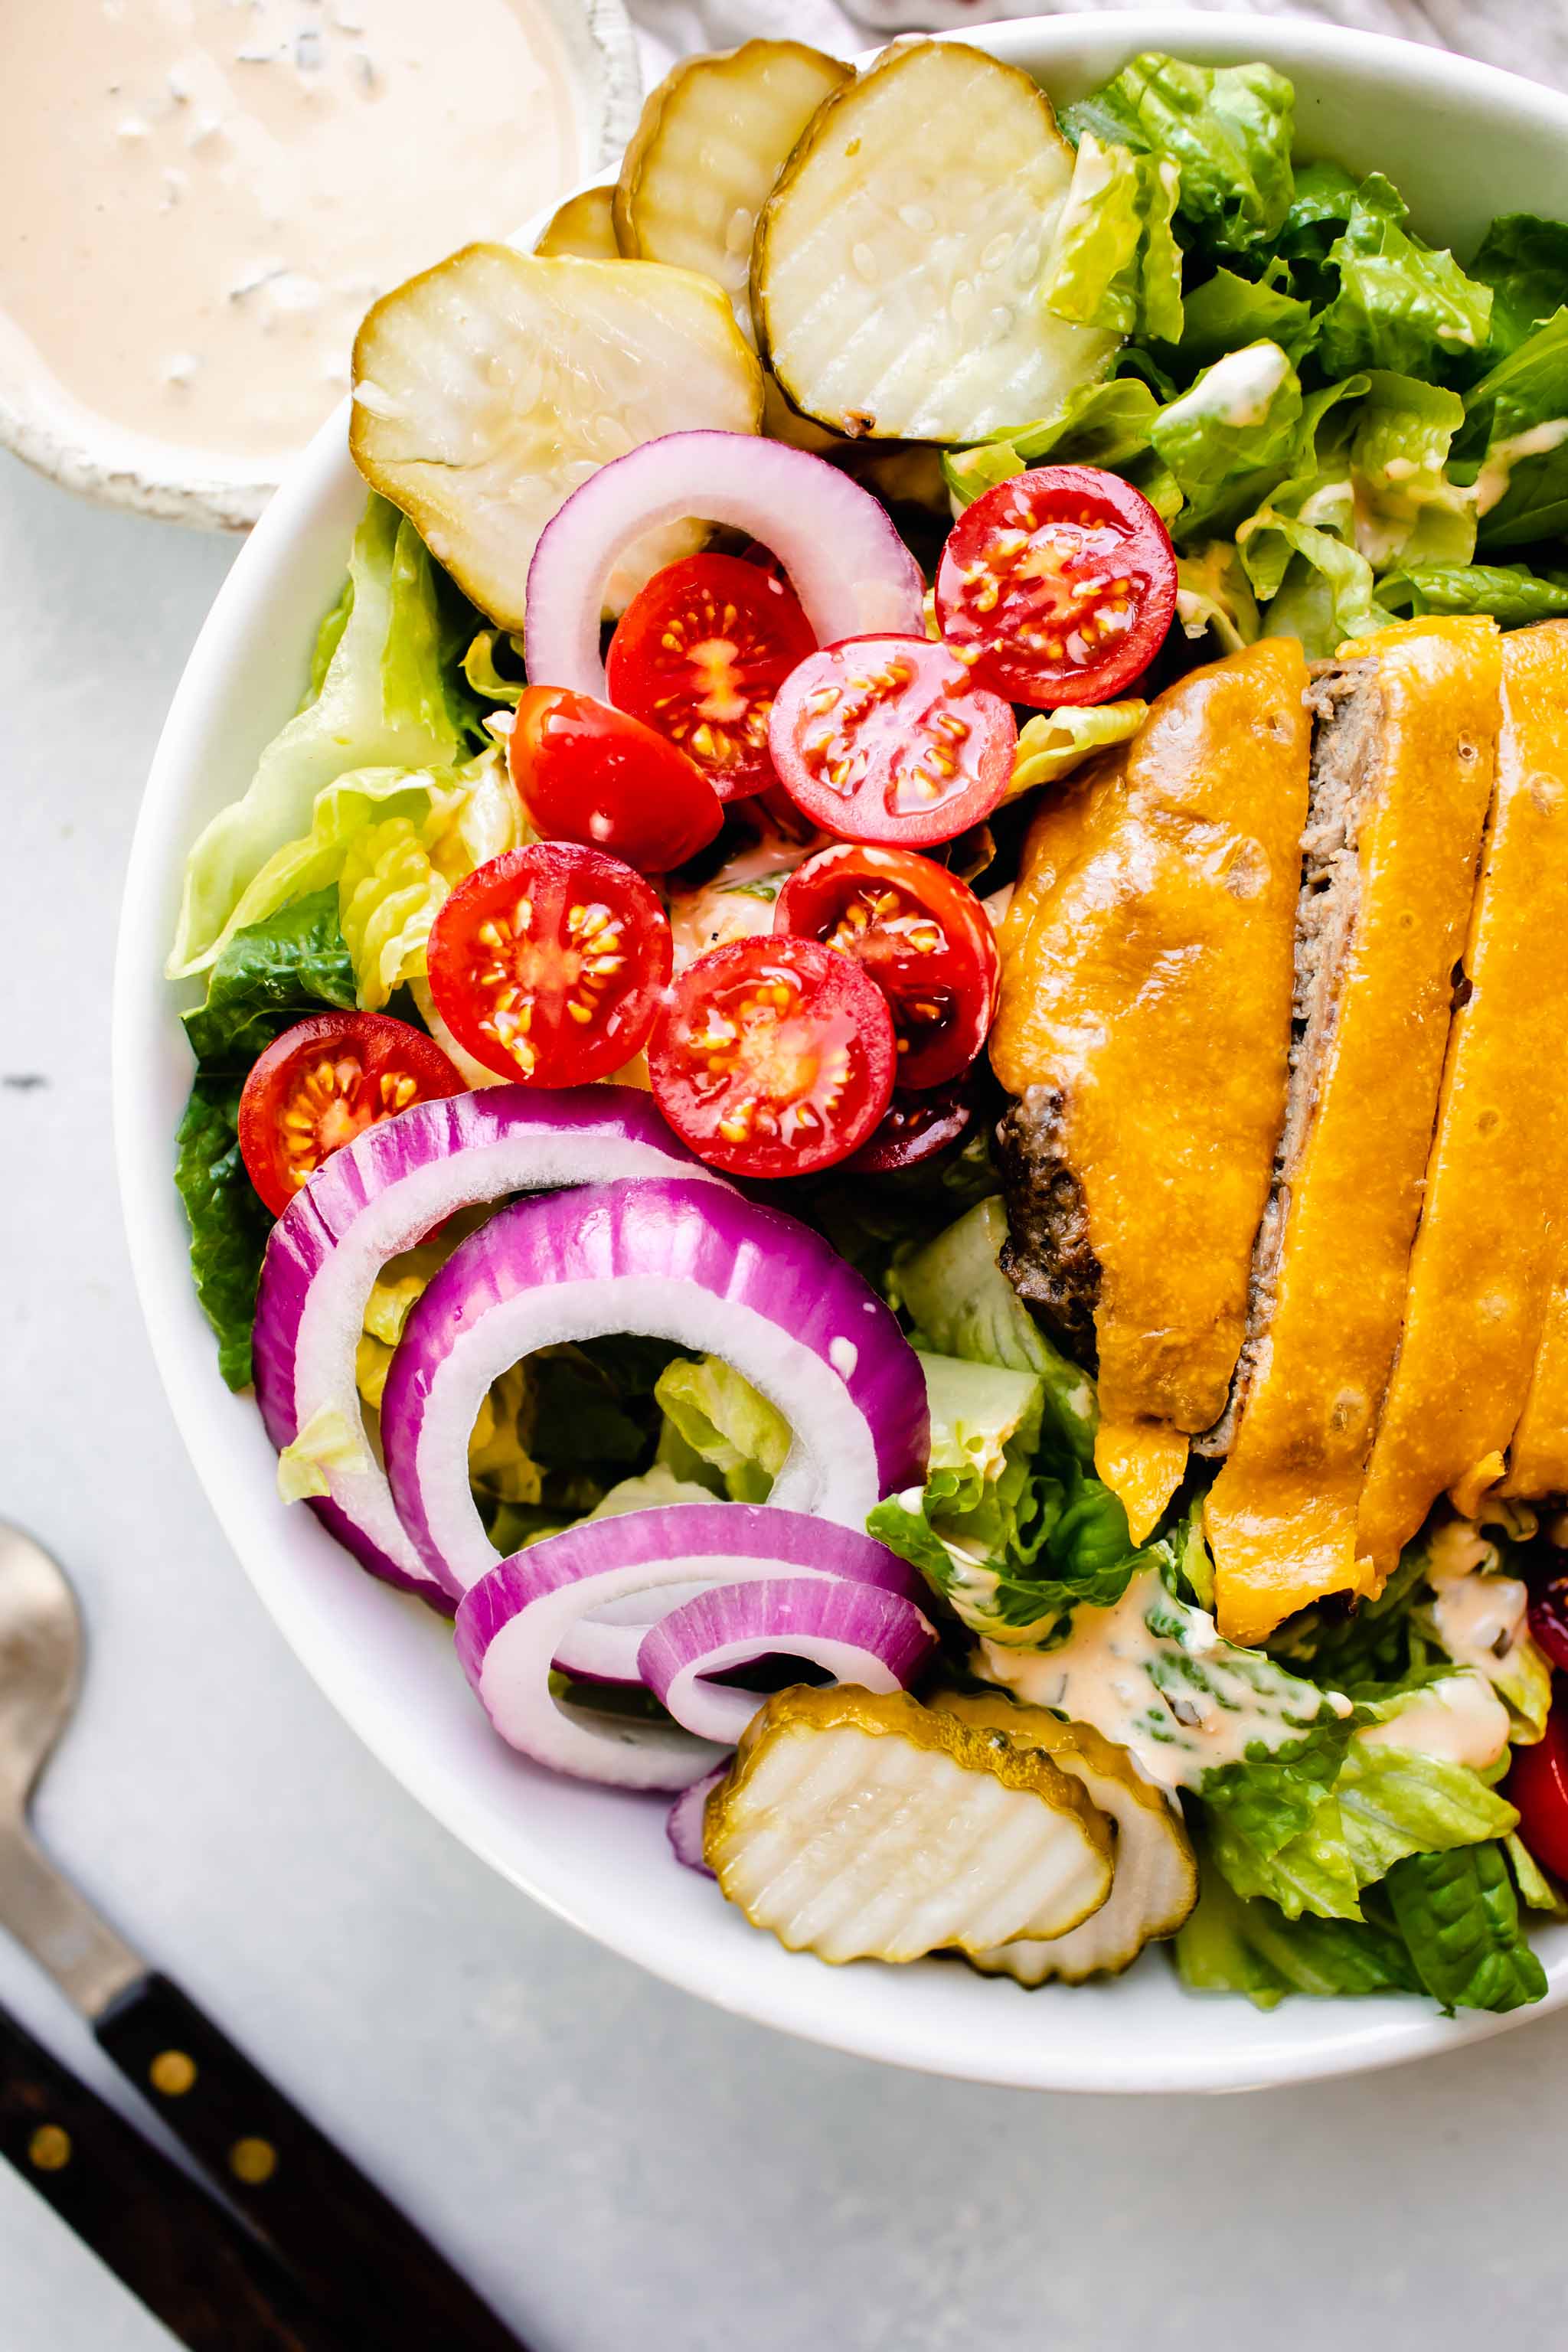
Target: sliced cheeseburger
x: 1144, y: 1027
x: 1497, y: 1180
x: 1401, y: 778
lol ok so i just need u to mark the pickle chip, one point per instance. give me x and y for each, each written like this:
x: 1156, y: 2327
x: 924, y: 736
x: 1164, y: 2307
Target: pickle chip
x: 713, y: 137
x: 487, y: 389
x: 1155, y: 1880
x: 582, y: 228
x: 861, y: 1827
x: 898, y: 264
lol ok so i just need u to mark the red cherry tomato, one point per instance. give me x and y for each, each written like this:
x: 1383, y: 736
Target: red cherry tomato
x: 924, y: 937
x: 890, y: 739
x: 1058, y: 585
x: 322, y: 1083
x: 915, y: 1128
x: 585, y: 773
x: 773, y: 1057
x: 699, y: 653
x: 1538, y: 1784
x: 547, y: 964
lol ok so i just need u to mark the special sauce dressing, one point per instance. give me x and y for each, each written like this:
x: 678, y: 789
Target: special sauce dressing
x: 199, y: 199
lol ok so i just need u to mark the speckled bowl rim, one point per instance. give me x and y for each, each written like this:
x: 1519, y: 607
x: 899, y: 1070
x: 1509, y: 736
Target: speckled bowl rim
x: 93, y: 458
x: 597, y: 1857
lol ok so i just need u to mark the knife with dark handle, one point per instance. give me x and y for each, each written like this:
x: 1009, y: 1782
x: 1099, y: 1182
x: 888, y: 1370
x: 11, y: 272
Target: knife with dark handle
x: 195, y: 2267
x: 356, y: 2258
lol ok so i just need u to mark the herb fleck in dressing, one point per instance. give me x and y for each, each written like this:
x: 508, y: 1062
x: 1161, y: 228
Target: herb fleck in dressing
x: 198, y: 202
x: 1154, y: 1675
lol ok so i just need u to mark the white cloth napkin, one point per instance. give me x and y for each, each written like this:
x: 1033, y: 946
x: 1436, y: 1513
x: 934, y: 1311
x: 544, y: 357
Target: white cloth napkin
x: 1530, y: 40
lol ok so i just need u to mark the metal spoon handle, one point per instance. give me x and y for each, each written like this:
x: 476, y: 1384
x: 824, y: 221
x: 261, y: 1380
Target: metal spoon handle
x: 195, y: 2267
x: 359, y: 2259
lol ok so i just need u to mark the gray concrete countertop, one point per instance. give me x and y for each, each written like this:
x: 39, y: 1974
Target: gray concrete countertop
x: 614, y: 2163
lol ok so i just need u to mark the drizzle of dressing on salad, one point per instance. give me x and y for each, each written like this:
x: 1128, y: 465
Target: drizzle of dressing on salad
x: 1460, y: 1720
x: 1237, y: 389
x: 1155, y: 1676
x: 198, y: 202
x: 1493, y: 481
x: 737, y: 904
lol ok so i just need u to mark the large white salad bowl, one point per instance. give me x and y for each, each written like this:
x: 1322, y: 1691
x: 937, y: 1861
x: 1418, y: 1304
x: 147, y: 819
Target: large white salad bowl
x: 1462, y: 143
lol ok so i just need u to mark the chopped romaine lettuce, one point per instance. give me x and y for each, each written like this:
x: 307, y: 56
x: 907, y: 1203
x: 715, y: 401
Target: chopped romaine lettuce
x: 1511, y: 593
x: 327, y: 1442
x: 726, y: 1424
x: 1400, y: 304
x: 1053, y: 743
x: 1227, y: 128
x: 1215, y: 596
x: 1228, y: 312
x: 1524, y: 260
x: 1098, y: 424
x: 1113, y: 261
x: 1228, y: 441
x: 382, y: 701
x: 1229, y: 1944
x: 266, y: 977
x: 1405, y: 508
x: 1458, y: 1916
x: 962, y: 1304
x: 1522, y: 491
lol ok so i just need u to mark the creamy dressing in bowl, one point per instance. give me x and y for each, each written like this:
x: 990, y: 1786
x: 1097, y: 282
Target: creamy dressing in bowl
x: 199, y: 199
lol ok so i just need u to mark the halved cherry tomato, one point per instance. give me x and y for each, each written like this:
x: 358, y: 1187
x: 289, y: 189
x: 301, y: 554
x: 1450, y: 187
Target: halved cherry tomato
x: 1538, y: 1784
x: 1058, y: 585
x: 547, y: 964
x: 323, y: 1081
x: 889, y: 739
x: 585, y: 773
x: 918, y: 1128
x: 699, y: 653
x: 773, y: 1057
x: 924, y: 937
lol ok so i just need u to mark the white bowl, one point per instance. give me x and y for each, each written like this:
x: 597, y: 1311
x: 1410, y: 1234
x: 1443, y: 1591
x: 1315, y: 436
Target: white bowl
x: 92, y: 455
x: 1463, y: 141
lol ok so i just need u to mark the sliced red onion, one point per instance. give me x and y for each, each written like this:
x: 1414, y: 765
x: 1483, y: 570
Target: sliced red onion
x: 513, y: 1623
x: 675, y: 1259
x: 858, y: 1634
x: 684, y: 1824
x: 847, y: 564
x: 387, y: 1189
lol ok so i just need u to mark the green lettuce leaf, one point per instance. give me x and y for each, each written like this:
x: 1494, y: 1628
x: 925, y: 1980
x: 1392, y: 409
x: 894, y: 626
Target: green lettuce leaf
x: 1053, y: 743
x: 1271, y: 1820
x: 1228, y: 312
x: 1328, y: 593
x: 1320, y: 206
x: 265, y: 979
x: 1102, y: 425
x: 962, y: 1304
x: 1401, y: 305
x: 1394, y: 1802
x: 1512, y: 593
x: 1405, y: 508
x: 382, y: 701
x: 1458, y: 1916
x: 269, y: 977
x: 1227, y: 128
x: 1213, y: 596
x: 228, y: 1223
x: 1535, y: 1889
x: 724, y: 1422
x: 1524, y: 260
x: 492, y: 686
x: 1229, y: 1944
x: 1113, y: 261
x: 1228, y: 441
x: 1521, y: 489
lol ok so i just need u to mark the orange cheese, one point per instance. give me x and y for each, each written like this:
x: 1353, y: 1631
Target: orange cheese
x: 1146, y: 977
x: 1497, y: 1177
x: 1282, y: 1517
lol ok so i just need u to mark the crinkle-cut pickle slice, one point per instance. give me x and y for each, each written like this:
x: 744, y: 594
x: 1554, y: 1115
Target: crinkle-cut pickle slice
x: 871, y: 1828
x: 896, y: 270
x: 582, y: 230
x: 487, y: 389
x: 713, y: 137
x: 1155, y: 1881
